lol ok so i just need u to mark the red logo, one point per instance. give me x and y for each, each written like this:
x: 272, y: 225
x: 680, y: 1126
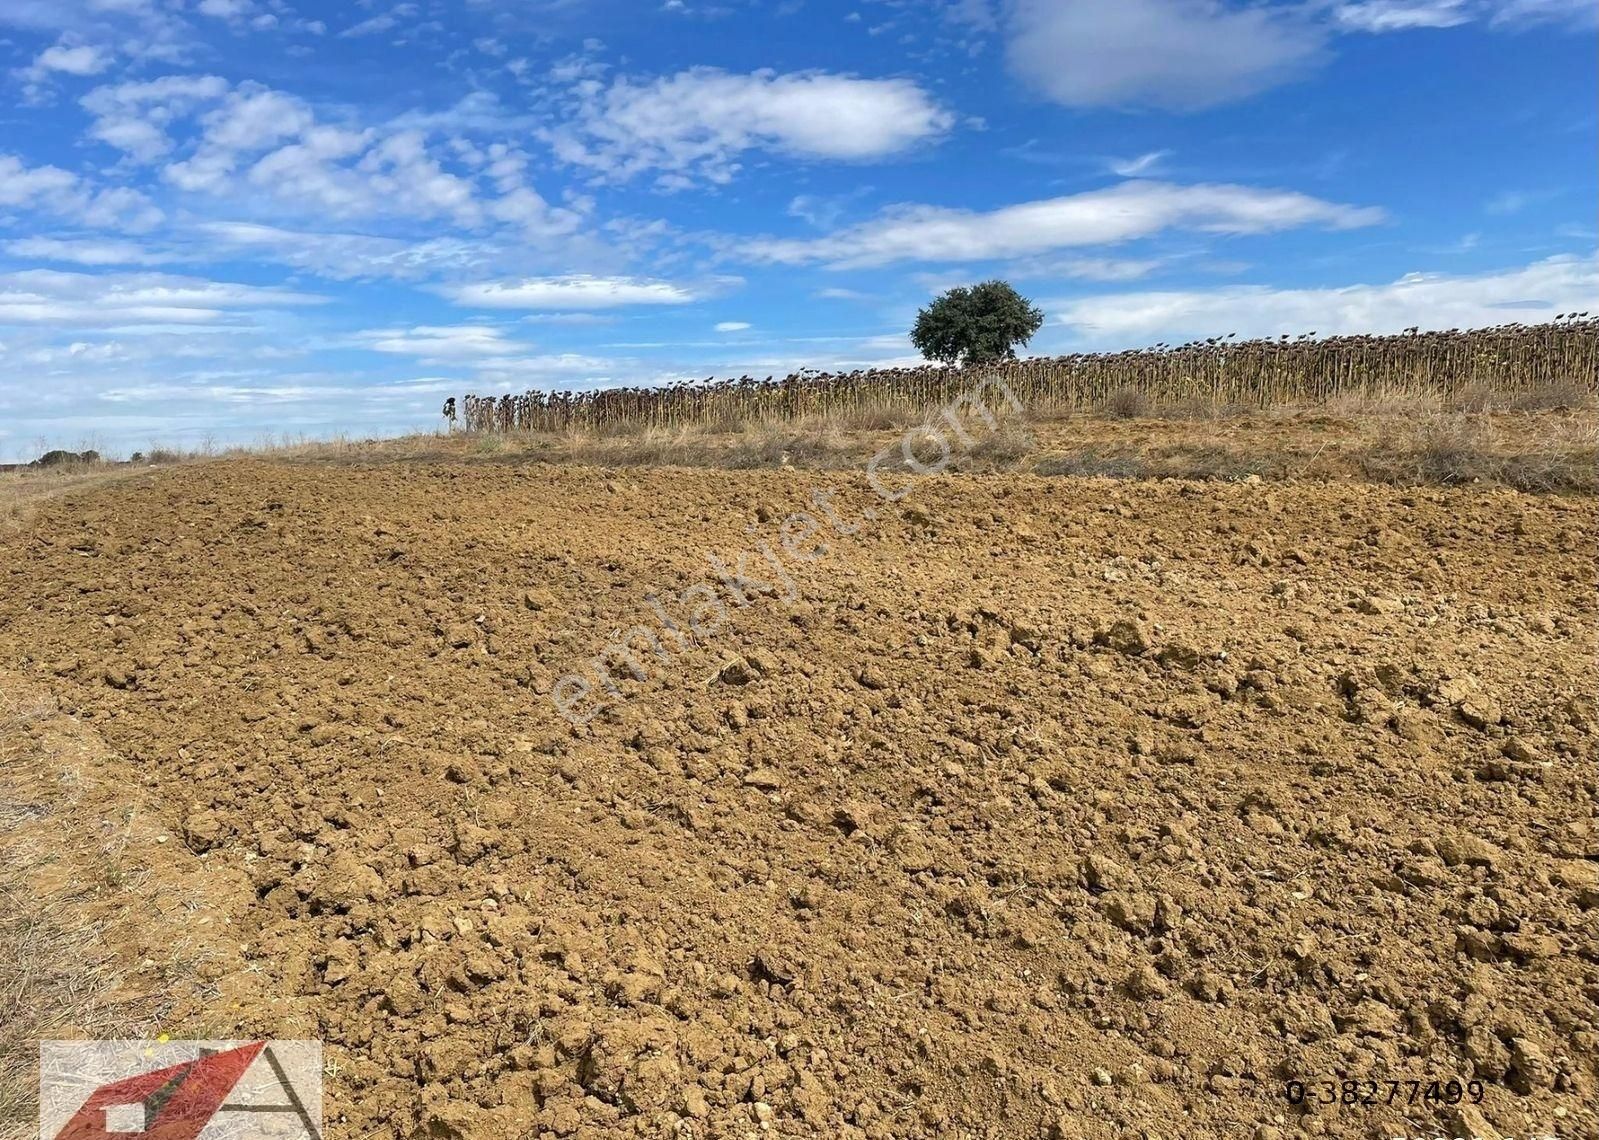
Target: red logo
x: 178, y: 1101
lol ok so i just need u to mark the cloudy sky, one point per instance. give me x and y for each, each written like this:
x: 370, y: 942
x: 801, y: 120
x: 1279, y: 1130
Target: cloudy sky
x: 236, y: 218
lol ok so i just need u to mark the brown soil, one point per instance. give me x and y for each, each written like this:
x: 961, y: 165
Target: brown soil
x: 1052, y: 806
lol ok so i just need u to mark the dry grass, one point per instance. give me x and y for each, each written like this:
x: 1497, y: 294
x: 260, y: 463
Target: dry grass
x: 1383, y: 402
x: 1093, y: 462
x: 1199, y: 463
x: 1382, y: 435
x: 1537, y: 452
x: 1565, y: 396
x: 1389, y: 438
x: 22, y: 492
x: 881, y: 415
x: 57, y: 975
x: 1454, y: 448
x: 105, y: 932
x: 1478, y: 397
x: 1002, y: 449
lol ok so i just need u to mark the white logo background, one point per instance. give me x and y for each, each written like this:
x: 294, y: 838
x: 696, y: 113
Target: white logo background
x: 257, y: 1108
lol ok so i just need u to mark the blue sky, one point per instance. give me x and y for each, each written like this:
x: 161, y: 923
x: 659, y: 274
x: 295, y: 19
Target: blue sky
x: 227, y: 219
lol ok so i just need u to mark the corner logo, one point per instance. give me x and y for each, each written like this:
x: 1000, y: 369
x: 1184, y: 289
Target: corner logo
x: 180, y: 1090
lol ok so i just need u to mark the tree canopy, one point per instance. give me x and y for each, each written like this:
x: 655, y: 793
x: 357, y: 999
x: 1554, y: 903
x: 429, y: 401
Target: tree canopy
x: 976, y: 324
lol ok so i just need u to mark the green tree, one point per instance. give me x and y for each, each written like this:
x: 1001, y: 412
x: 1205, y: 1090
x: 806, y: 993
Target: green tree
x: 976, y: 325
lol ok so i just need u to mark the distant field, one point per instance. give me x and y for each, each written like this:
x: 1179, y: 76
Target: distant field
x: 1404, y: 441
x: 1393, y: 440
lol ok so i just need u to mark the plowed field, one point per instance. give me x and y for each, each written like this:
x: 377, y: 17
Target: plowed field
x: 1027, y: 807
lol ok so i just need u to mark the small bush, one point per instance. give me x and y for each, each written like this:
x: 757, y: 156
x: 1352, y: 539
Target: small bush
x: 1128, y: 403
x: 1010, y: 444
x: 1454, y: 451
x: 56, y: 458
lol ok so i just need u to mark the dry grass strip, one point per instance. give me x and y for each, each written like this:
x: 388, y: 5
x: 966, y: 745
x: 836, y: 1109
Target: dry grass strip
x: 68, y: 894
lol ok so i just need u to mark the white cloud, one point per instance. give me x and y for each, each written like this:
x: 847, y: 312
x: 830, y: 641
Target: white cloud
x: 696, y: 124
x: 72, y: 59
x: 574, y: 319
x: 731, y: 326
x: 47, y: 296
x: 836, y: 294
x: 443, y: 342
x: 370, y: 27
x: 400, y: 171
x: 256, y: 141
x: 140, y: 29
x: 1433, y: 301
x: 1407, y: 15
x: 23, y: 185
x: 347, y: 256
x: 1574, y: 13
x: 476, y: 112
x: 84, y: 251
x: 249, y: 121
x: 1402, y: 15
x: 1097, y: 217
x: 1140, y: 166
x: 229, y: 10
x: 1090, y: 268
x: 558, y: 369
x: 385, y: 22
x: 1510, y: 202
x: 133, y: 117
x: 1176, y: 54
x: 821, y: 212
x: 1191, y: 54
x: 577, y: 291
x: 79, y: 352
x: 975, y: 14
x: 49, y: 189
x: 119, y: 207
